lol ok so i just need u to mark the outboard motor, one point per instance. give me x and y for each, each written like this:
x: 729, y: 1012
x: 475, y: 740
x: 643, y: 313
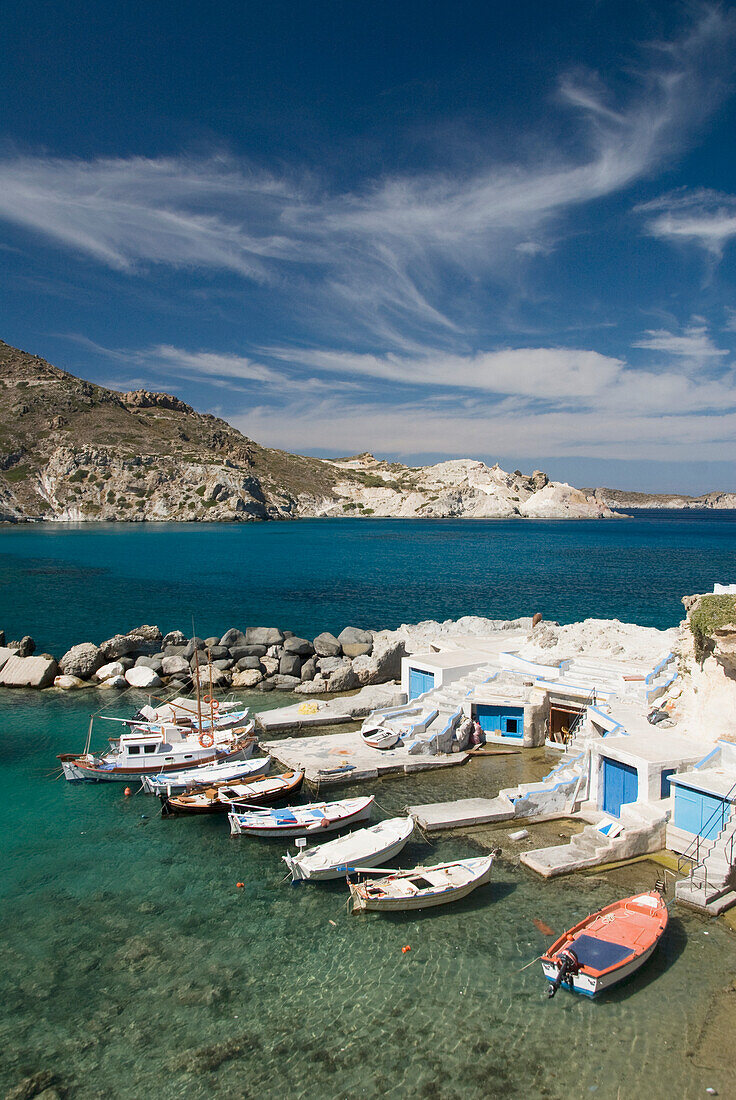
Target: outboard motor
x: 567, y: 967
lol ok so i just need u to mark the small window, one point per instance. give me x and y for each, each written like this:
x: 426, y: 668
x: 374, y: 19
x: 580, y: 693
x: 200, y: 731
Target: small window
x: 512, y: 725
x: 149, y: 748
x: 134, y: 750
x: 190, y: 757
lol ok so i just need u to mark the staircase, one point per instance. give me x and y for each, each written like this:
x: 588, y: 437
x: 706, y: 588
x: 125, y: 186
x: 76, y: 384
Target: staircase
x: 711, y: 884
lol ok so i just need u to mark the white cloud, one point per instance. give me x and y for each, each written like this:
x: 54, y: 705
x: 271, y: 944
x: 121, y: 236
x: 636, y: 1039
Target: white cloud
x: 694, y: 343
x: 701, y: 217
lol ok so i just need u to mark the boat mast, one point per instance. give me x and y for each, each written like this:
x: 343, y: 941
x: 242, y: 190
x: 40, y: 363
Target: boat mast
x: 199, y: 688
x: 212, y: 698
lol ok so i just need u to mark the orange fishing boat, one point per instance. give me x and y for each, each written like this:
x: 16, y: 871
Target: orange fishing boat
x: 607, y: 946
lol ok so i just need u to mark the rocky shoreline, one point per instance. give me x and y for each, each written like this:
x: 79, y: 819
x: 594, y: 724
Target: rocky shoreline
x: 258, y: 658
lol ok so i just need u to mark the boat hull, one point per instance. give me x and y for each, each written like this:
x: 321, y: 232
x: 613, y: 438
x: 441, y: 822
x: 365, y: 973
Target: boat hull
x: 589, y: 985
x: 234, y: 772
x: 380, y: 738
x: 300, y: 869
x: 362, y: 901
x: 179, y: 805
x: 83, y: 769
x: 326, y: 825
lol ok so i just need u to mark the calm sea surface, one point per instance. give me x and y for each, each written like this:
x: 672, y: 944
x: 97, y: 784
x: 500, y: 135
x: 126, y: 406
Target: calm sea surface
x: 130, y: 964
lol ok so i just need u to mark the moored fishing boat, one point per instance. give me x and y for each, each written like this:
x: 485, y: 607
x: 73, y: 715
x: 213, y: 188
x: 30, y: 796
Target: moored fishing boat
x: 204, y: 775
x: 315, y: 817
x: 608, y: 946
x: 359, y: 849
x: 423, y: 887
x: 225, y: 797
x: 380, y: 737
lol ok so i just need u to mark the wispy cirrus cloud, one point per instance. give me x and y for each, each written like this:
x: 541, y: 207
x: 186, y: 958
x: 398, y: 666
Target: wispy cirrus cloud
x: 377, y: 259
x: 699, y: 217
x: 694, y: 343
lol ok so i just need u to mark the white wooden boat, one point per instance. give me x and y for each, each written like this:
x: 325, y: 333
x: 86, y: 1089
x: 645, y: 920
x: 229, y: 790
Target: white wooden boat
x: 135, y: 754
x: 316, y: 817
x: 380, y: 737
x: 608, y: 946
x: 423, y: 887
x: 362, y: 848
x: 206, y: 775
x: 185, y: 715
x: 236, y: 796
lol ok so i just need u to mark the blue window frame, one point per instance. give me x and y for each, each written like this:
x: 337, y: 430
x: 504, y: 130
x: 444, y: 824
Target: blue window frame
x: 504, y: 720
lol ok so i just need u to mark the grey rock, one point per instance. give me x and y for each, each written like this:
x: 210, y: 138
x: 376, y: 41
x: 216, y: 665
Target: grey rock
x: 118, y: 646
x: 192, y: 644
x: 209, y: 642
x: 327, y: 645
x: 70, y: 683
x: 179, y: 685
x: 355, y: 642
x: 218, y: 652
x: 143, y: 677
x: 285, y: 683
x: 174, y: 637
x: 26, y: 646
x: 343, y: 679
x: 309, y: 669
x: 223, y: 663
x: 114, y: 682
x: 232, y: 637
x: 156, y: 663
x: 288, y: 633
x: 5, y: 653
x: 300, y: 646
x: 383, y: 664
x: 247, y: 678
x: 269, y: 665
x: 263, y: 635
x: 265, y: 685
x: 174, y: 650
x: 114, y: 668
x: 238, y: 651
x: 219, y: 677
x: 2, y: 638
x: 249, y: 663
x: 328, y: 665
x: 290, y: 665
x: 36, y: 672
x: 318, y: 686
x: 147, y: 633
x: 175, y: 665
x: 81, y: 660
x: 126, y: 662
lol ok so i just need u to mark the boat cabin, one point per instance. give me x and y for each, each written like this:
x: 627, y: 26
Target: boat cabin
x: 139, y: 749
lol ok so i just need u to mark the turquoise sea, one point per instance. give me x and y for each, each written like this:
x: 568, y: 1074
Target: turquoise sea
x: 131, y: 965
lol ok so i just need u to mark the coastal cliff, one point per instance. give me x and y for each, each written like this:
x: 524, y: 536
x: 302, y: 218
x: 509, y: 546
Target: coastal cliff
x: 624, y: 499
x: 71, y: 450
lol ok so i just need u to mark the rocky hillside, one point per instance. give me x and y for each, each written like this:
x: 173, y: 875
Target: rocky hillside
x: 623, y: 499
x: 72, y: 450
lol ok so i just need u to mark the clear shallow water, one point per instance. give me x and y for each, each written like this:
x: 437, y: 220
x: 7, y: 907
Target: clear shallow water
x: 67, y: 584
x: 131, y: 965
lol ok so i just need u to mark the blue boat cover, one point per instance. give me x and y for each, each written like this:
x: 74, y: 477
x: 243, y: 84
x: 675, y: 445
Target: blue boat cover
x: 599, y: 954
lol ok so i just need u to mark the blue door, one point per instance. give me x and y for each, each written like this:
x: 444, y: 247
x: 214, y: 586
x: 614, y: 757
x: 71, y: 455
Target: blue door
x: 664, y: 784
x: 419, y: 682
x: 503, y: 720
x: 620, y: 785
x: 698, y: 812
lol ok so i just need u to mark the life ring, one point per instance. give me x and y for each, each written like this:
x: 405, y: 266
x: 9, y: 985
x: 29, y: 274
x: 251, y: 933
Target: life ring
x: 214, y: 703
x: 206, y: 739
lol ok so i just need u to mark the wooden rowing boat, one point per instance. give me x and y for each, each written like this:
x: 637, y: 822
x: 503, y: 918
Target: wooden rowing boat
x: 608, y: 946
x: 206, y: 775
x: 423, y: 887
x: 380, y: 737
x: 336, y: 858
x: 316, y: 817
x: 228, y: 796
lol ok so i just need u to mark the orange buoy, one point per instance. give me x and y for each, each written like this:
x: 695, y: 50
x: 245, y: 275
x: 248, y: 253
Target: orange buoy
x: 240, y: 885
x: 405, y: 949
x: 127, y: 792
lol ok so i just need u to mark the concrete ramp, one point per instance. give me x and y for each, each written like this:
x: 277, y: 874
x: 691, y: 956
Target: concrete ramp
x: 434, y: 816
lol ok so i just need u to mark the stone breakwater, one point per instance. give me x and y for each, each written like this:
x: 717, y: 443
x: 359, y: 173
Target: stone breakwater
x: 258, y: 658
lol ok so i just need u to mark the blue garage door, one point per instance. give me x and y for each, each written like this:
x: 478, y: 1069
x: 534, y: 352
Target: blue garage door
x: 419, y: 682
x: 507, y: 721
x: 620, y: 785
x: 698, y: 812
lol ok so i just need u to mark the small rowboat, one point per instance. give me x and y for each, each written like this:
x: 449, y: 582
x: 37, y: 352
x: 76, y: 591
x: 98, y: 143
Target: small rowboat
x: 224, y: 797
x: 336, y: 858
x: 205, y: 775
x: 423, y: 887
x: 380, y: 737
x: 607, y: 946
x: 316, y: 817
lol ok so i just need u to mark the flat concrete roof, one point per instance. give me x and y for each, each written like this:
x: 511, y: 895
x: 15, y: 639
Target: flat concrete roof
x: 657, y: 747
x: 449, y: 658
x: 718, y: 781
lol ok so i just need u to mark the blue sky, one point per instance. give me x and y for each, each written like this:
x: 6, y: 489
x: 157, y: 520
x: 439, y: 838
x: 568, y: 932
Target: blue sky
x: 426, y: 230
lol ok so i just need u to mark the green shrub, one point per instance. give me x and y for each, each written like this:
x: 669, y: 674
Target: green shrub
x: 712, y: 613
x: 79, y: 475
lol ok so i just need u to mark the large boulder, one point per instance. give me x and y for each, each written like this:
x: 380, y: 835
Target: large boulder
x: 327, y: 645
x: 214, y: 640
x: 383, y: 664
x: 142, y: 677
x: 174, y: 637
x: 81, y: 660
x: 5, y: 654
x: 285, y: 683
x: 355, y: 642
x: 246, y: 678
x: 192, y: 644
x: 218, y: 652
x: 175, y: 666
x: 26, y: 647
x: 308, y: 669
x: 174, y: 650
x: 69, y: 683
x: 223, y: 663
x: 263, y: 635
x: 35, y: 672
x: 249, y: 663
x: 317, y: 686
x: 119, y: 646
x: 147, y: 633
x: 232, y: 637
x: 300, y: 646
x: 270, y: 665
x: 343, y: 679
x: 217, y: 676
x: 290, y: 665
x: 114, y: 682
x: 238, y: 651
x: 156, y: 663
x: 328, y: 665
x: 114, y: 668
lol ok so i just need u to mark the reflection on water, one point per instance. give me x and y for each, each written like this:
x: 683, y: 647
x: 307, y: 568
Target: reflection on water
x: 131, y: 965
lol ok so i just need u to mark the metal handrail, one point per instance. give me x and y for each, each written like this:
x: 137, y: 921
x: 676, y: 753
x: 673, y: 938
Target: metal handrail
x: 572, y: 732
x: 695, y: 842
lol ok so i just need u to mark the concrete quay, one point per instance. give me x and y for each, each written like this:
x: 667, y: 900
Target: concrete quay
x: 434, y: 816
x: 345, y: 758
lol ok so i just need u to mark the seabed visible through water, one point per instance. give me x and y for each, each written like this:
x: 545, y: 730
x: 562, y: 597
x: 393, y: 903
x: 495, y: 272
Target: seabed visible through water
x: 131, y: 965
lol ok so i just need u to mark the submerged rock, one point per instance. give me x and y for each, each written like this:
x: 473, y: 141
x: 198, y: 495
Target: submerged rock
x: 69, y: 683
